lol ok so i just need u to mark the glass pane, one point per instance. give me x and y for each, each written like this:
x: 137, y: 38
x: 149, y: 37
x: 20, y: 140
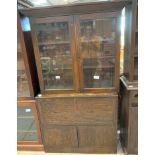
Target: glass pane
x: 27, y: 136
x: 26, y: 128
x: 97, y: 52
x: 26, y: 124
x: 22, y: 82
x: 24, y: 111
x: 55, y: 55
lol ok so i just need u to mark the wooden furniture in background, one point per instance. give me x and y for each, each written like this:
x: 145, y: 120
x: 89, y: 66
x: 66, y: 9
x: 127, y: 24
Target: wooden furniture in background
x: 129, y: 117
x: 28, y: 130
x: 129, y: 82
x: 131, y: 42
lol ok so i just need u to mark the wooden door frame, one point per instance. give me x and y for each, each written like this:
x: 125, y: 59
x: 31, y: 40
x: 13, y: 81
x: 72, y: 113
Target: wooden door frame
x: 92, y: 16
x: 25, y: 58
x: 68, y: 19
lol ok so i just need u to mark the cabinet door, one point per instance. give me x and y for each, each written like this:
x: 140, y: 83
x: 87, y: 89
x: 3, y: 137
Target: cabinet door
x: 98, y: 50
x: 52, y: 38
x: 22, y: 80
x: 95, y: 110
x: 57, y: 138
x: 96, y: 136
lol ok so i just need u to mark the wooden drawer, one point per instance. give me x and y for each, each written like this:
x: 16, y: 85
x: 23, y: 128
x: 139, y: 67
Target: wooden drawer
x: 96, y: 136
x: 74, y: 111
x: 57, y: 110
x: 95, y: 110
x: 60, y: 137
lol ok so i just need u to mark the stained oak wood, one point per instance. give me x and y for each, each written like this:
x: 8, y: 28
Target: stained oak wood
x: 133, y: 98
x: 82, y: 150
x: 133, y: 130
x: 85, y: 124
x: 94, y: 110
x: 60, y: 137
x: 131, y: 42
x: 77, y: 111
x: 129, y: 119
x: 59, y: 110
x: 96, y: 136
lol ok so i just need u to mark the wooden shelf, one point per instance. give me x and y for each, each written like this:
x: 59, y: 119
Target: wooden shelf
x: 54, y: 43
x: 98, y: 67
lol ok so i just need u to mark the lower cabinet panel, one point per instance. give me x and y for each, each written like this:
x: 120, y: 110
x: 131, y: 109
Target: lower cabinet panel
x: 60, y: 137
x: 81, y: 150
x: 129, y: 120
x: 77, y: 111
x: 96, y: 136
x: 78, y: 124
x: 133, y: 130
x: 82, y: 139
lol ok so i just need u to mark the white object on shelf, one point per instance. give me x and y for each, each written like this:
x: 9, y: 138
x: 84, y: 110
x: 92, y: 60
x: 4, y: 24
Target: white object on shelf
x: 96, y: 77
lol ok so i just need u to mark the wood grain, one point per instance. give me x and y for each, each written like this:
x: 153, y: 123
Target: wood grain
x: 77, y: 111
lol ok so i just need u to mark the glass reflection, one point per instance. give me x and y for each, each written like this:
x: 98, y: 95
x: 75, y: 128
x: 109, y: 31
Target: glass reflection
x: 97, y: 52
x: 55, y: 55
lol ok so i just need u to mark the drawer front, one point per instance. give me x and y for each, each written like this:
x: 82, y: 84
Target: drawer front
x: 96, y: 136
x: 57, y: 111
x: 95, y: 110
x: 75, y: 111
x: 60, y: 137
x: 134, y: 98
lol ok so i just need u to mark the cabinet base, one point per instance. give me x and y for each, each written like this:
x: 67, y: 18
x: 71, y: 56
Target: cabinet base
x: 30, y: 147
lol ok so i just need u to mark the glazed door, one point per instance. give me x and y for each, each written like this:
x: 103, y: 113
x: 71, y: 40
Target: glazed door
x: 22, y: 80
x: 28, y: 130
x: 98, y: 51
x: 53, y: 44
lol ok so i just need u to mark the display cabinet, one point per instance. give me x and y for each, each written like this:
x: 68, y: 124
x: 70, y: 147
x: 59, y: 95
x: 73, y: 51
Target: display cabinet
x: 28, y: 130
x: 23, y: 84
x: 131, y: 42
x: 27, y: 79
x: 77, y: 56
x: 129, y: 82
x: 78, y: 53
